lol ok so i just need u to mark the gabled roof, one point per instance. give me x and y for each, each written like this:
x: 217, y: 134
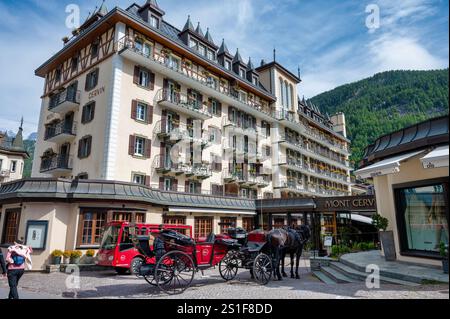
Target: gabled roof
x: 237, y: 57
x: 208, y: 37
x: 223, y: 49
x: 188, y: 25
x: 250, y: 66
x: 199, y: 30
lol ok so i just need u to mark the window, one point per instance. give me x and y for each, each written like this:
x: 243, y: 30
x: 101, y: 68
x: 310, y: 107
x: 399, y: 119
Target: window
x: 94, y: 49
x: 255, y: 80
x: 214, y: 107
x: 1, y: 164
x: 84, y: 147
x: 91, y: 80
x: 202, y: 50
x: 227, y: 222
x: 11, y: 226
x: 282, y: 91
x: 141, y: 112
x: 173, y: 62
x: 83, y: 176
x: 211, y: 55
x: 203, y: 227
x: 214, y: 135
x: 193, y: 43
x: 74, y: 63
x: 143, y: 78
x: 154, y: 22
x: 122, y: 217
x: 243, y: 96
x: 91, y: 227
x: 174, y: 220
x: 58, y: 74
x: 168, y: 184
x: 13, y: 166
x: 139, y: 145
x: 422, y: 218
x: 88, y: 113
x: 139, y: 179
x: 242, y: 73
x: 227, y: 64
x: 248, y: 223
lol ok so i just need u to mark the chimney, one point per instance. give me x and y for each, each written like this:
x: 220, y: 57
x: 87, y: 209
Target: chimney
x: 339, y: 124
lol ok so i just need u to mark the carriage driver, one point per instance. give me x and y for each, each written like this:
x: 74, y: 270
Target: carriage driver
x: 158, y: 245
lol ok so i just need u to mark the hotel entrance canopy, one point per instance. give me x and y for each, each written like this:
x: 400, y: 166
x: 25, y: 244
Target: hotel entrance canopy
x: 436, y: 158
x: 387, y: 166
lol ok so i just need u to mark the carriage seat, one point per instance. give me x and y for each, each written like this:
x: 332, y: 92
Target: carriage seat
x: 144, y: 246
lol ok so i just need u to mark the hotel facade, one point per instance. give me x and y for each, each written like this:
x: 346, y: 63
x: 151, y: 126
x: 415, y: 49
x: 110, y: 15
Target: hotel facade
x: 144, y: 122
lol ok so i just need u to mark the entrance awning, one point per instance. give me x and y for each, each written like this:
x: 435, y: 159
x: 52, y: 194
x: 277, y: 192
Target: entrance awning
x: 210, y: 211
x: 387, y: 166
x: 436, y: 158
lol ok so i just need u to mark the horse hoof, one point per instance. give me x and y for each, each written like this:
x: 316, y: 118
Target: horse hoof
x: 284, y: 275
x: 297, y: 277
x: 292, y: 276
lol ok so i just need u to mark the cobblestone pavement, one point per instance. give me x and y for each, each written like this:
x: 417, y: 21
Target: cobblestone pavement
x: 107, y: 284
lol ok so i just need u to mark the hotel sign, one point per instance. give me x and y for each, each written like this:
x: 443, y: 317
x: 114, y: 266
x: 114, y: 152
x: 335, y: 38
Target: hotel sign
x: 352, y: 203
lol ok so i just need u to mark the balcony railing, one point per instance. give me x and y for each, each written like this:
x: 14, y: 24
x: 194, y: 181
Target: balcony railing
x: 301, y: 186
x: 174, y: 131
x: 164, y: 165
x: 184, y: 101
x: 68, y: 95
x: 128, y: 44
x: 241, y: 128
x: 61, y: 128
x: 200, y: 171
x: 56, y: 162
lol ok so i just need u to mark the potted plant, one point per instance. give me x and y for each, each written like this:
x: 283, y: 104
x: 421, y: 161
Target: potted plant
x: 90, y: 256
x: 66, y: 256
x: 56, y: 257
x: 386, y: 237
x: 75, y: 256
x: 443, y: 250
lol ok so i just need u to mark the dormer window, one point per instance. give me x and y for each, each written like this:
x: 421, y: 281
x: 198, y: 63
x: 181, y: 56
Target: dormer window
x: 202, y: 50
x: 211, y: 55
x: 193, y: 44
x: 154, y: 21
x: 94, y: 49
x: 227, y: 65
x: 255, y: 80
x: 242, y: 73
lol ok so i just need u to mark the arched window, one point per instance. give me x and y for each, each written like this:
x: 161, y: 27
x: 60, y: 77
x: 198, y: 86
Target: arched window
x: 287, y: 97
x: 291, y: 89
x: 282, y: 91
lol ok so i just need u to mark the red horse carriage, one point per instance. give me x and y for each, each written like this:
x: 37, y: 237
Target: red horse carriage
x: 174, y: 259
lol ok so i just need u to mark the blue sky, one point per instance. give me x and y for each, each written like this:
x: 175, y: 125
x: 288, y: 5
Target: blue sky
x: 328, y: 39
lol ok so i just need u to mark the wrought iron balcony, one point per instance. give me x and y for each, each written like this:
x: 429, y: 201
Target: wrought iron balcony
x: 181, y: 102
x: 65, y: 101
x: 60, y: 131
x: 56, y: 163
x: 200, y: 171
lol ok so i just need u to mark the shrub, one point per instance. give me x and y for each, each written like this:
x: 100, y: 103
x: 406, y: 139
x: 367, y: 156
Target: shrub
x: 380, y: 222
x: 338, y: 250
x: 90, y: 253
x: 443, y: 249
x: 57, y: 253
x: 76, y: 254
x: 67, y: 253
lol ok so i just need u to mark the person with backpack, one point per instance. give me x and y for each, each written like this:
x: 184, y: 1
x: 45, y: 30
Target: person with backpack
x: 18, y: 259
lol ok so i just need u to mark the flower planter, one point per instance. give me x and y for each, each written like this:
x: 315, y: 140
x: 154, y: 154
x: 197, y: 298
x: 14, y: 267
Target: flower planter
x: 56, y: 260
x: 89, y: 260
x: 66, y: 260
x: 74, y: 260
x: 387, y: 241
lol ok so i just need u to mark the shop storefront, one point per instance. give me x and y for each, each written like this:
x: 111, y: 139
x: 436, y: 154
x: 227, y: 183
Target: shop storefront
x: 410, y: 173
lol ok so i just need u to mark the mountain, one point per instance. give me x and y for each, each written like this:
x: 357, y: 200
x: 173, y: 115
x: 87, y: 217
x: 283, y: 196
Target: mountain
x: 29, y: 146
x: 32, y: 136
x: 385, y: 103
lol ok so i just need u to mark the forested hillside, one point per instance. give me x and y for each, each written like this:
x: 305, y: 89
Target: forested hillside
x: 386, y: 102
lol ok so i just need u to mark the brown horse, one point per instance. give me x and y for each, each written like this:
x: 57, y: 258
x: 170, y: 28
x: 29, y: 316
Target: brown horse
x: 288, y: 240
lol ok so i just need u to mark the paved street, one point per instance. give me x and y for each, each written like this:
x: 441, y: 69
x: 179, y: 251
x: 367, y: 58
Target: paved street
x: 107, y: 284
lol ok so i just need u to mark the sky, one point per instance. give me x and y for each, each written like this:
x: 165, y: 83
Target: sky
x: 328, y: 39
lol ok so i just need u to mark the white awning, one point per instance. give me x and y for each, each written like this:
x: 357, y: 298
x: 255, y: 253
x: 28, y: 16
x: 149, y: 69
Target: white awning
x: 358, y: 218
x: 436, y: 158
x: 210, y: 211
x: 387, y: 166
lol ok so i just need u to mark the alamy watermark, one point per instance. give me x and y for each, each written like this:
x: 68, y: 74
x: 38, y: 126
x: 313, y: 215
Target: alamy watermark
x: 373, y: 19
x: 373, y: 279
x: 73, y: 17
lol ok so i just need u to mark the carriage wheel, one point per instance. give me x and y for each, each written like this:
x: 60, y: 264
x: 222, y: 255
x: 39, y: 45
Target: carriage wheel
x: 228, y: 266
x: 262, y: 269
x: 174, y: 272
x: 151, y: 279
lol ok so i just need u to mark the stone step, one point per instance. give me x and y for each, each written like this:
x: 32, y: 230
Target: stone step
x: 337, y: 276
x: 361, y: 276
x: 323, y: 278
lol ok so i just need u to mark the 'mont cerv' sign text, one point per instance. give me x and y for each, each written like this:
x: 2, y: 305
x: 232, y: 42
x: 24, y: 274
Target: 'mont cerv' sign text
x: 351, y: 203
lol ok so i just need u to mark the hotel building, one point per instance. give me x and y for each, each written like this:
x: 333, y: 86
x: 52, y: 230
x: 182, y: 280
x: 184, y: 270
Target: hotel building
x: 131, y: 100
x: 12, y: 157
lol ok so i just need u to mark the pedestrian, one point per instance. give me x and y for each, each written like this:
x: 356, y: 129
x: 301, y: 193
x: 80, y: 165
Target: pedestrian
x: 18, y: 259
x: 2, y: 264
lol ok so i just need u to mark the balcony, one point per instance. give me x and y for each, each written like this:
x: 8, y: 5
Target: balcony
x: 57, y: 164
x: 163, y: 165
x: 182, y: 103
x: 301, y: 187
x: 232, y: 176
x: 60, y: 132
x: 65, y: 101
x: 259, y: 181
x: 190, y: 77
x: 289, y: 120
x: 237, y: 128
x: 166, y: 130
x: 200, y: 171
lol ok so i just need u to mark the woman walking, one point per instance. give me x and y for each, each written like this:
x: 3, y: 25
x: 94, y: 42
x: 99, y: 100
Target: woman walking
x: 18, y: 258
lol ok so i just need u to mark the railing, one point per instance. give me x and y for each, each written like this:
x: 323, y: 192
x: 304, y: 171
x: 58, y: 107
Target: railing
x: 233, y: 175
x: 68, y: 95
x: 64, y: 127
x: 162, y: 163
x: 239, y: 127
x: 175, y: 130
x: 198, y: 170
x: 56, y: 162
x: 127, y: 43
x: 302, y: 186
x: 182, y: 100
